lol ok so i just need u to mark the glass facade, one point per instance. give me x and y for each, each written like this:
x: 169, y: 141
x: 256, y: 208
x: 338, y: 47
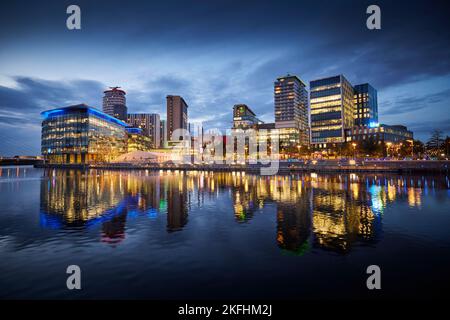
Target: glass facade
x: 366, y: 105
x: 383, y: 132
x: 332, y: 109
x: 138, y: 140
x: 150, y: 123
x: 81, y: 134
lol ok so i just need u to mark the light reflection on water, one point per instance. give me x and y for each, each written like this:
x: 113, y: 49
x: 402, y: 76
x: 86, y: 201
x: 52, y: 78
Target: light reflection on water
x: 302, y: 215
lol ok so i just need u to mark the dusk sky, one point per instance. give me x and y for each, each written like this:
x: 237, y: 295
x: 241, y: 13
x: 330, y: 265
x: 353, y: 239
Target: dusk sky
x: 216, y: 54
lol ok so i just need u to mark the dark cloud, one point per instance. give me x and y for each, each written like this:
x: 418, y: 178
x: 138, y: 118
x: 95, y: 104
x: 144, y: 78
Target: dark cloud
x: 31, y: 96
x: 20, y: 109
x: 415, y: 102
x: 423, y: 129
x: 152, y: 97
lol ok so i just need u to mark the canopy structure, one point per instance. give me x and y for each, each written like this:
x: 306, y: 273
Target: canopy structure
x: 147, y: 157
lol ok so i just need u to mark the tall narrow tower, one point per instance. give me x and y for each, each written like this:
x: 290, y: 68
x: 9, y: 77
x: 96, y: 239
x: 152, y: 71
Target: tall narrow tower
x: 177, y: 116
x: 291, y: 110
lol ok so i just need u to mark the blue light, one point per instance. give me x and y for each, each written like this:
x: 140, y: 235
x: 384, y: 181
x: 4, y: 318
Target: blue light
x: 106, y: 117
x: 374, y: 124
x: 377, y: 203
x: 82, y: 107
x: 134, y: 130
x: 152, y: 213
x: 49, y: 221
x: 52, y: 113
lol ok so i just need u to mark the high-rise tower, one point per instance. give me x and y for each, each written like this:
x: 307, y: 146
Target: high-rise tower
x: 366, y: 105
x: 114, y: 103
x: 332, y: 110
x: 291, y: 111
x: 177, y: 115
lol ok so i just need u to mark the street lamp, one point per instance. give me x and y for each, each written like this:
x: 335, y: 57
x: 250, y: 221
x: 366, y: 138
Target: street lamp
x: 354, y: 150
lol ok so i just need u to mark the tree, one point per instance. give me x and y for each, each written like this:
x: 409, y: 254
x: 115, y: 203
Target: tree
x: 372, y: 147
x: 345, y: 149
x: 419, y: 148
x: 435, y: 143
x: 405, y: 149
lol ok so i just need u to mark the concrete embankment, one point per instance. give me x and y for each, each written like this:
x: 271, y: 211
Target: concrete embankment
x: 20, y: 162
x: 284, y: 167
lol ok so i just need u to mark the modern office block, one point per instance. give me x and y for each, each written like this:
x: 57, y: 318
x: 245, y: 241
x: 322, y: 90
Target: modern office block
x: 332, y: 110
x: 291, y: 111
x: 150, y: 124
x: 366, y: 105
x: 81, y: 134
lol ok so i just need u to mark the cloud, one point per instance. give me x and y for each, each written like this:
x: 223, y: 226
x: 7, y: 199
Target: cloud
x: 20, y: 108
x: 414, y: 103
x: 424, y: 128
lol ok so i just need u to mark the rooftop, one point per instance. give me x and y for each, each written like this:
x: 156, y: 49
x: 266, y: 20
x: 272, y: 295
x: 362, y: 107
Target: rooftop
x: 83, y: 108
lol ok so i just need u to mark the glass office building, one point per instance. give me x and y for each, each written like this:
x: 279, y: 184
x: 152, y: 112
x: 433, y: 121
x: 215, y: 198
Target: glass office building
x: 383, y: 132
x: 366, y: 105
x: 332, y: 110
x: 138, y: 140
x: 81, y: 134
x: 150, y: 123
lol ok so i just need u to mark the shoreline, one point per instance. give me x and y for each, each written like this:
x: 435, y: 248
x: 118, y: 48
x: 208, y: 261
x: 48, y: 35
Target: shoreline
x: 401, y: 166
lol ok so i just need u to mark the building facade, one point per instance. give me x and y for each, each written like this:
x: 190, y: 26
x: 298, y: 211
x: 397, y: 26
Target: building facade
x: 81, y: 134
x: 332, y: 110
x: 114, y: 103
x: 243, y: 117
x: 177, y: 115
x: 291, y: 111
x: 150, y: 124
x: 163, y: 134
x: 366, y: 105
x: 137, y: 140
x: 394, y: 134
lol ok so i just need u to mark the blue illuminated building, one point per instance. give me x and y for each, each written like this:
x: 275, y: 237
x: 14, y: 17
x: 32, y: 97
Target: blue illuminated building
x: 81, y: 134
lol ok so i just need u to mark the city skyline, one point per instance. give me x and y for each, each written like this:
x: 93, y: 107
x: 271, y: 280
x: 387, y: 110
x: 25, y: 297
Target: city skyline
x: 45, y: 65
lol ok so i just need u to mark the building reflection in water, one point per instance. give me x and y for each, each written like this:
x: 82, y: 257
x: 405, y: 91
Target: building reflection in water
x: 177, y: 199
x: 76, y: 199
x: 330, y: 212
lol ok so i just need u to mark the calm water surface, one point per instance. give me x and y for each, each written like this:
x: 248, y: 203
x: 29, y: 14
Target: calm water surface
x: 140, y: 234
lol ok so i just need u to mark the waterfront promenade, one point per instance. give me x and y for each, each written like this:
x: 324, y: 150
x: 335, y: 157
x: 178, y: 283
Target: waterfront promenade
x: 20, y: 161
x: 395, y: 166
